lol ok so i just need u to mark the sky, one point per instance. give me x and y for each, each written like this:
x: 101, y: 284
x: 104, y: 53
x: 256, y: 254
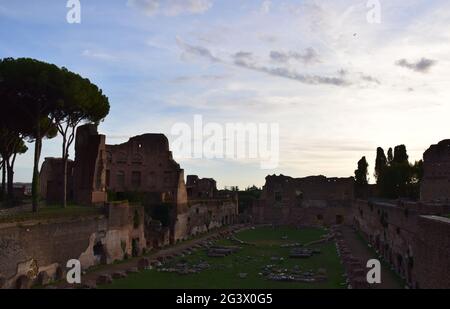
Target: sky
x: 339, y: 80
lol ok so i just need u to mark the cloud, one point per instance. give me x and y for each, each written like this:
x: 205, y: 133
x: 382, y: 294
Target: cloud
x: 369, y: 78
x: 243, y: 56
x: 246, y: 60
x: 307, y: 57
x: 206, y: 78
x: 422, y: 66
x: 171, y: 7
x: 198, y: 51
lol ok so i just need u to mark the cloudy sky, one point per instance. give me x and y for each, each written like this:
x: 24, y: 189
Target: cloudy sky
x: 338, y: 84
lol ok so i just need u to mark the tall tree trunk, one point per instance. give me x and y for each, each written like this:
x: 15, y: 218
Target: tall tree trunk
x: 3, y: 188
x: 65, y: 159
x: 10, y: 186
x: 64, y: 170
x: 35, y: 185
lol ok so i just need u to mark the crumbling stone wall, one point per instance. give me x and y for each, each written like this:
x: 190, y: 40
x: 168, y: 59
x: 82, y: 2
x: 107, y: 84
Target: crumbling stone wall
x: 209, y: 214
x: 144, y: 164
x: 90, y: 166
x: 34, y: 247
x: 435, y: 185
x: 433, y: 253
x: 394, y: 230
x: 314, y: 215
x: 285, y: 191
x: 204, y: 188
x: 51, y: 180
x: 305, y: 201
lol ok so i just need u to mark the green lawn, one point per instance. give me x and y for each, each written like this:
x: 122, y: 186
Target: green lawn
x: 224, y: 272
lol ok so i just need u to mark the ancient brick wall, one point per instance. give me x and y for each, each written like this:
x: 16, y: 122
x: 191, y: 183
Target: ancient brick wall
x: 286, y: 191
x: 305, y: 201
x: 51, y: 180
x: 197, y: 188
x: 393, y: 230
x: 34, y: 247
x: 314, y: 215
x: 209, y: 214
x: 143, y: 164
x: 433, y: 253
x: 435, y: 185
x: 89, y: 175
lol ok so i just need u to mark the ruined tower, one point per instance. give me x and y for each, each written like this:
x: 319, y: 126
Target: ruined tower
x: 435, y: 185
x: 90, y: 166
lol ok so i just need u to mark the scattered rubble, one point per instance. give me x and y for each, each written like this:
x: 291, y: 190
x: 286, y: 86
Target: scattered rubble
x: 293, y: 245
x: 243, y: 275
x: 222, y: 251
x: 273, y: 273
x: 303, y: 253
x: 184, y: 268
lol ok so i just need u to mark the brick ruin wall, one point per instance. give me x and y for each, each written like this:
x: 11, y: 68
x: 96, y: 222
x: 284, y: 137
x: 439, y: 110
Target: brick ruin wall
x: 435, y: 185
x: 142, y: 165
x: 32, y: 248
x: 327, y: 214
x: 433, y: 253
x: 415, y: 245
x: 316, y: 201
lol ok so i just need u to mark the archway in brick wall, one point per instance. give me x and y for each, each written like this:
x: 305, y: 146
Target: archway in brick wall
x: 99, y: 253
x: 135, y: 251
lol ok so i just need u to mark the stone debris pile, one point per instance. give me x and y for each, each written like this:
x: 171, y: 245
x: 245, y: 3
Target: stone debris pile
x: 222, y: 251
x: 184, y: 268
x: 274, y: 273
x: 303, y: 253
x: 355, y: 272
x: 293, y: 245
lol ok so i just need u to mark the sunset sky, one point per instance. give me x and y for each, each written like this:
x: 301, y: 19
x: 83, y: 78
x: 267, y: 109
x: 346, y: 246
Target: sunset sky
x: 338, y: 85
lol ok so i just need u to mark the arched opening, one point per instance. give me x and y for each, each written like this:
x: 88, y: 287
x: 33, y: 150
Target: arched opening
x: 99, y: 253
x: 135, y: 247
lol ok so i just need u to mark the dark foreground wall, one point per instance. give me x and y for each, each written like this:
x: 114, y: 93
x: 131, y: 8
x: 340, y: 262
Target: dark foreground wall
x: 35, y: 250
x: 433, y: 253
x: 415, y: 243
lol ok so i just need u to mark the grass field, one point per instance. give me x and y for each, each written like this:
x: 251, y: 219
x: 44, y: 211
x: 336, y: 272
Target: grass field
x: 224, y: 272
x: 52, y: 212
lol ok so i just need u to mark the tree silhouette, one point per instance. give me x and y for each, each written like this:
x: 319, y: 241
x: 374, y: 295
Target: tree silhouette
x: 31, y: 90
x: 400, y: 154
x: 38, y: 101
x: 82, y: 102
x: 380, y: 162
x: 390, y: 156
x: 362, y: 172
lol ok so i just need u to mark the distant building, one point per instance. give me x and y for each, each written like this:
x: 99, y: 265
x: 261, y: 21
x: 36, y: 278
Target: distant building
x: 51, y: 180
x: 197, y: 188
x: 145, y: 164
x: 315, y: 200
